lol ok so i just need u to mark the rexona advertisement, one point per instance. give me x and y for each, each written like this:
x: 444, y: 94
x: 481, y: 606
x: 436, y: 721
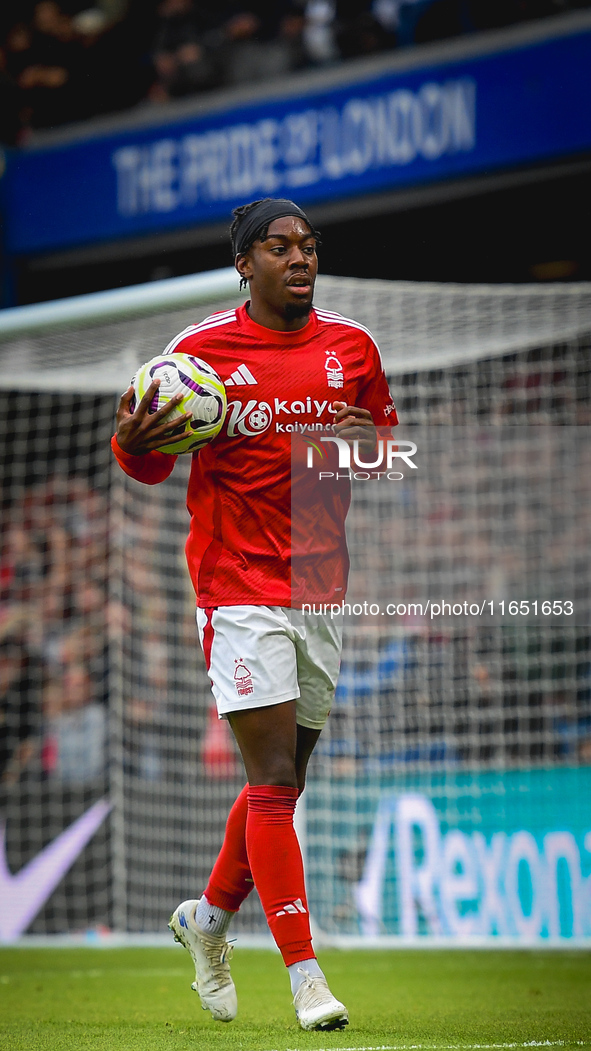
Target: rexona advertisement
x: 413, y: 124
x: 477, y: 856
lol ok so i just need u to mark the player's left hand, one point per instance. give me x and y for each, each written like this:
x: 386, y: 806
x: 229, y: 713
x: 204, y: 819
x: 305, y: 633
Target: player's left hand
x: 355, y: 424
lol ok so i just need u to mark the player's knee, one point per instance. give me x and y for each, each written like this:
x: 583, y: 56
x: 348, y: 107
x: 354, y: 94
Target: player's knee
x: 277, y: 771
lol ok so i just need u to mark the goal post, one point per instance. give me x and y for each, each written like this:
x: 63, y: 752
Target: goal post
x: 448, y: 796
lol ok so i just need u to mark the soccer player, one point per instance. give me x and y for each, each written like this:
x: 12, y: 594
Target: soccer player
x: 288, y: 368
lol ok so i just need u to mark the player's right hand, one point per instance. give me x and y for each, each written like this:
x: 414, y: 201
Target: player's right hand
x: 142, y: 432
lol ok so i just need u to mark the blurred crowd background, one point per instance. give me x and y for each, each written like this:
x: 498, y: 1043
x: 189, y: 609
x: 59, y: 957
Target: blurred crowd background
x: 54, y: 614
x: 67, y: 61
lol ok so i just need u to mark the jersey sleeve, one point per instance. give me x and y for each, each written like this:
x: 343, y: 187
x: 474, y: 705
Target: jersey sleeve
x: 374, y: 393
x: 151, y: 468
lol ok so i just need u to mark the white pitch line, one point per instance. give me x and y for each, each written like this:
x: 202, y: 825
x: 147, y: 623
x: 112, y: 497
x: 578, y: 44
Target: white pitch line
x: 452, y: 1047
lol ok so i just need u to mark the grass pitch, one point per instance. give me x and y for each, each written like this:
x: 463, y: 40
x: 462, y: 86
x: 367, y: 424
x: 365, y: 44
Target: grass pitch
x: 140, y: 1000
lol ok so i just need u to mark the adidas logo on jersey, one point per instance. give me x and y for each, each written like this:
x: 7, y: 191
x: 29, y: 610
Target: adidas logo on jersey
x: 293, y: 908
x: 241, y: 376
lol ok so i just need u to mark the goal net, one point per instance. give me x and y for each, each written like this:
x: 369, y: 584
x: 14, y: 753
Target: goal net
x: 448, y: 796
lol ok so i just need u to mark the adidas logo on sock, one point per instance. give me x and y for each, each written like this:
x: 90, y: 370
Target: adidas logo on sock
x: 293, y: 908
x: 240, y: 377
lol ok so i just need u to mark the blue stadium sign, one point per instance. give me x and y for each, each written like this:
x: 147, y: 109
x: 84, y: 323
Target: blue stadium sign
x: 326, y: 145
x: 478, y: 115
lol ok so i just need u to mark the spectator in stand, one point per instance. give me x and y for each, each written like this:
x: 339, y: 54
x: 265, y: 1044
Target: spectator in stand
x: 55, y: 68
x: 359, y: 30
x: 75, y: 727
x: 319, y: 32
x: 259, y: 41
x: 343, y: 29
x: 183, y: 57
x: 10, y: 104
x: 408, y: 14
x: 118, y: 63
x: 47, y: 61
x: 17, y: 55
x: 20, y: 691
x: 195, y: 50
x: 53, y: 590
x: 17, y: 47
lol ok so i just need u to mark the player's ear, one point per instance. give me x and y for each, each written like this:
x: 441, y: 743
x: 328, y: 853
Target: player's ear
x: 244, y: 268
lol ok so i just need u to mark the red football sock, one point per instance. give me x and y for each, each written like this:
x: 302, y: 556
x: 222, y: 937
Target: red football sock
x: 231, y: 881
x: 276, y: 865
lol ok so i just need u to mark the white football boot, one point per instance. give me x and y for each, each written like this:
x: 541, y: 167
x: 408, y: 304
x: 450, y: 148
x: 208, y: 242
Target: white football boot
x: 316, y: 1007
x: 211, y: 956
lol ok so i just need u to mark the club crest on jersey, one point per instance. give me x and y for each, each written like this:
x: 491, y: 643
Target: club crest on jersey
x: 242, y: 678
x: 334, y: 370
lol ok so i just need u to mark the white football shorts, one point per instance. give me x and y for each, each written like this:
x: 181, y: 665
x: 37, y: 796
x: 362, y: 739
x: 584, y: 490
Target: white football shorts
x: 262, y: 655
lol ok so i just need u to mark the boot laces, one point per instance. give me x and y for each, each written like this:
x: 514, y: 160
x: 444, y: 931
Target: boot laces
x: 219, y: 957
x: 316, y: 988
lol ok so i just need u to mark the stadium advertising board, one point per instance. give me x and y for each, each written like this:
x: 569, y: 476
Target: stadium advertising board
x: 23, y: 894
x: 401, y: 128
x: 483, y: 855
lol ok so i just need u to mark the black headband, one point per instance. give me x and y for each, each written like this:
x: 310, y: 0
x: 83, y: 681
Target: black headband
x: 258, y: 218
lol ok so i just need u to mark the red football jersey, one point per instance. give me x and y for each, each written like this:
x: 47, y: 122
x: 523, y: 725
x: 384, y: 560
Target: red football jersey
x: 240, y: 496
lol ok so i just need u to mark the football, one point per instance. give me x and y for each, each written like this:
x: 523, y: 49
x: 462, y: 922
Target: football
x: 204, y: 396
